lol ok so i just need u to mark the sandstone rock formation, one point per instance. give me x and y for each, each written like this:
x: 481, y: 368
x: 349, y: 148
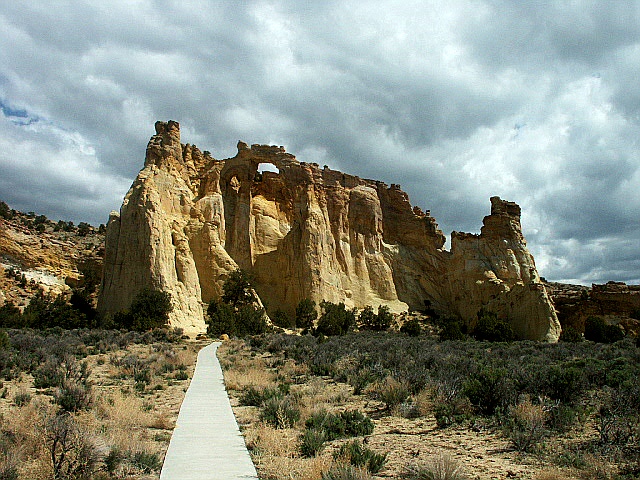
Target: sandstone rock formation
x: 616, y: 302
x: 307, y: 232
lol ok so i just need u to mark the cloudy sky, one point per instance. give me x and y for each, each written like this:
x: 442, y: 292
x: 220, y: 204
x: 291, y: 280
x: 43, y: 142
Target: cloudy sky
x: 456, y: 100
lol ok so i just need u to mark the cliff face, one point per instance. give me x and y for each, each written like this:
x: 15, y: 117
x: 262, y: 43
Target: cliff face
x: 306, y: 232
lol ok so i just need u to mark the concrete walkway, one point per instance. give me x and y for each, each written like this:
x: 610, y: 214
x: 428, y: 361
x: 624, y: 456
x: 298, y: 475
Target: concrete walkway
x: 206, y: 443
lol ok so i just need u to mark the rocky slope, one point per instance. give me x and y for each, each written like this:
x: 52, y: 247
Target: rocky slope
x: 37, y: 254
x: 189, y: 219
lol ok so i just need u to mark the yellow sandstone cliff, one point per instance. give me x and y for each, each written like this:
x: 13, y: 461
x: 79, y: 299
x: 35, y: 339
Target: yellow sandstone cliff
x: 307, y: 232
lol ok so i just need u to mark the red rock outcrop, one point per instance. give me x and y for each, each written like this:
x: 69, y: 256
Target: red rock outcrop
x: 307, y: 232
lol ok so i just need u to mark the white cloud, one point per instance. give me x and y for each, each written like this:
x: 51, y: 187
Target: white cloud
x: 455, y: 100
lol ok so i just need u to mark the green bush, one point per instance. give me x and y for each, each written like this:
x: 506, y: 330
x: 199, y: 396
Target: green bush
x: 335, y: 319
x: 147, y: 462
x: 411, y: 327
x: 252, y: 396
x: 346, y: 472
x: 490, y: 389
x: 358, y: 455
x: 221, y: 319
x: 571, y: 335
x: 237, y: 289
x: 597, y: 330
x: 450, y: 329
x: 10, y: 316
x: 46, y: 311
x: 312, y: 442
x: 453, y: 412
x: 150, y: 309
x: 349, y: 423
x: 367, y: 320
x: 250, y: 320
x: 236, y: 314
x: 280, y: 412
x: 5, y: 343
x: 492, y: 329
x: 306, y: 314
x: 22, y: 398
x: 281, y: 319
x: 565, y: 383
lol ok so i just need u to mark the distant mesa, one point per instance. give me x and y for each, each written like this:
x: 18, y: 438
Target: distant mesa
x: 304, y: 231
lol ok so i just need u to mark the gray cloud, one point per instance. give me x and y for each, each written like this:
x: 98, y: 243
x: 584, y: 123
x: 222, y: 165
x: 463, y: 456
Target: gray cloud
x: 537, y: 102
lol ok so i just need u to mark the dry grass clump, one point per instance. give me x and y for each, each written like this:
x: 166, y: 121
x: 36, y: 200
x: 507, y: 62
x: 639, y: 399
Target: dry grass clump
x: 439, y: 467
x: 552, y: 474
x: 527, y: 425
x: 275, y: 452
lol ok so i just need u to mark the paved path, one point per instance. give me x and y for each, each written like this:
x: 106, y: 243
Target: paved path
x: 206, y: 443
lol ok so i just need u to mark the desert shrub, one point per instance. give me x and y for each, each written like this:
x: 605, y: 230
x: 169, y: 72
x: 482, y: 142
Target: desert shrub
x: 250, y: 320
x: 237, y: 289
x: 281, y: 319
x: 72, y: 453
x: 312, y: 442
x: 146, y: 462
x: 346, y: 472
x: 526, y: 425
x: 48, y: 375
x: 361, y: 378
x: 391, y: 392
x: 565, y: 383
x: 221, y: 319
x: 349, y: 423
x: 73, y: 396
x: 618, y: 418
x: 10, y: 316
x: 570, y: 334
x: 359, y: 455
x: 306, y: 314
x: 46, y: 311
x: 450, y: 329
x: 455, y: 411
x: 335, y: 319
x: 280, y: 412
x: 9, y: 470
x: 411, y: 327
x: 253, y: 396
x: 22, y: 398
x: 562, y: 417
x: 149, y: 309
x: 379, y: 322
x: 492, y: 329
x: 441, y: 467
x: 597, y: 330
x: 490, y: 389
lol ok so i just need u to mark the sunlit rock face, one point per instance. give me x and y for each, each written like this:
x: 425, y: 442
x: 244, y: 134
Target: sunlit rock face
x: 307, y: 232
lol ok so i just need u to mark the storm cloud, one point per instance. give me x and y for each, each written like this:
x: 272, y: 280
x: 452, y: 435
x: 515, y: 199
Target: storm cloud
x: 457, y: 101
